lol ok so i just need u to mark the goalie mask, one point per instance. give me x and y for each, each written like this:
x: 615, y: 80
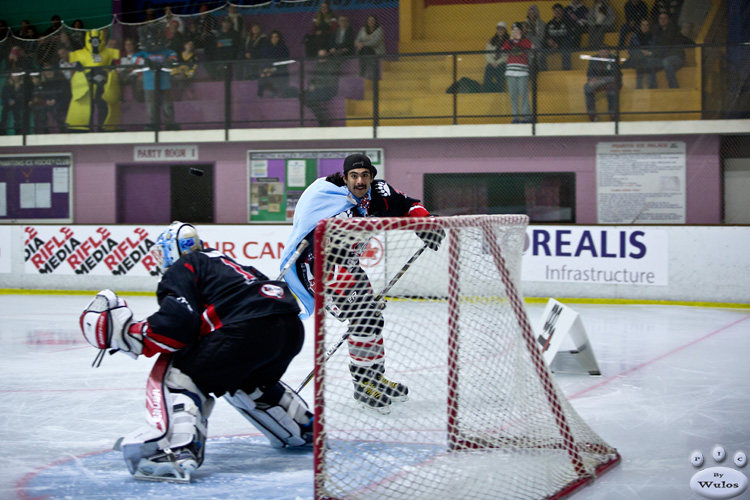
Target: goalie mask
x: 177, y: 240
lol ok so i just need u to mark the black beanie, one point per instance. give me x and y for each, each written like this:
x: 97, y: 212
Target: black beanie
x: 358, y: 161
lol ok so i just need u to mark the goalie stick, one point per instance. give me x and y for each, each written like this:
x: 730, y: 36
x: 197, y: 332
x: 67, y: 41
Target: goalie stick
x: 378, y: 298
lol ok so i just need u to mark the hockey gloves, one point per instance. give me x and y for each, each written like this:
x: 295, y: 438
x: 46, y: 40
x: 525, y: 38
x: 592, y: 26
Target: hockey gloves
x: 107, y: 323
x: 432, y: 238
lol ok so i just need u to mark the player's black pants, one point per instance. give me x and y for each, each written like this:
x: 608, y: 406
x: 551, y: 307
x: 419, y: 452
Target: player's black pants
x: 246, y: 355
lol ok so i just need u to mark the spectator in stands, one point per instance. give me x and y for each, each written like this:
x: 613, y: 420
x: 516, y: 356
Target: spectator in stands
x: 667, y: 51
x: 20, y: 58
x: 370, y: 41
x: 56, y: 25
x: 693, y: 14
x: 226, y: 48
x: 496, y: 58
x: 536, y: 26
x: 342, y: 39
x: 30, y: 33
x: 155, y: 55
x: 36, y: 102
x: 237, y: 20
x: 322, y: 87
x: 670, y: 7
x: 603, y: 75
x: 601, y: 20
x: 518, y: 49
x: 228, y: 42
x: 175, y: 39
x: 169, y: 16
x: 50, y: 101
x: 191, y: 33
x: 46, y: 51
x: 77, y: 36
x: 63, y: 55
x: 184, y: 71
x: 578, y: 16
x: 640, y: 52
x: 255, y: 44
x: 130, y: 77
x: 22, y: 29
x: 150, y: 15
x: 64, y: 40
x: 275, y: 78
x: 323, y: 24
x: 560, y: 35
x: 206, y: 28
x: 635, y: 12
x: 12, y: 99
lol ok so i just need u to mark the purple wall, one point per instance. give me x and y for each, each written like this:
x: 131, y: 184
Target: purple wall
x: 406, y: 161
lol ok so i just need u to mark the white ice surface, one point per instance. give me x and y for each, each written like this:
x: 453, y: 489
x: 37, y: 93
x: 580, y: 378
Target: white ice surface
x: 674, y: 380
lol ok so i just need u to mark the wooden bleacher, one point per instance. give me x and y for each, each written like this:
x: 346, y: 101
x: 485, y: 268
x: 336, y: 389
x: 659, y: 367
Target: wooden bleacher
x: 412, y: 89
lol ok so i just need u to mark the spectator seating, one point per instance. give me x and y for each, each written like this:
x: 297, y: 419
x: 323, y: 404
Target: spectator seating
x: 414, y: 87
x: 202, y: 106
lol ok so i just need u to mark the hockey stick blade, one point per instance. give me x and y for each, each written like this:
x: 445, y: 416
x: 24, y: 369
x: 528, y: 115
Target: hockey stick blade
x: 330, y: 352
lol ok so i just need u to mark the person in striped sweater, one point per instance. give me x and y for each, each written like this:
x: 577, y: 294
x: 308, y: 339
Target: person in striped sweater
x: 517, y: 73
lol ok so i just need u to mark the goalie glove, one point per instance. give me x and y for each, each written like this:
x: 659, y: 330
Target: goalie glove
x: 107, y: 323
x: 432, y: 238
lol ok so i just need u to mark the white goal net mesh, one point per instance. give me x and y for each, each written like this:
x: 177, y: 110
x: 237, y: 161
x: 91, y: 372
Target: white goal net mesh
x: 484, y: 418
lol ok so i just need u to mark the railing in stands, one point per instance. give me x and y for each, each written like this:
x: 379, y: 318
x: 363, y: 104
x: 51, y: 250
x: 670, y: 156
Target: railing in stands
x: 447, y: 88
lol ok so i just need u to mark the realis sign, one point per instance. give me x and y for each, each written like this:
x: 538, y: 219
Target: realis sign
x: 596, y: 255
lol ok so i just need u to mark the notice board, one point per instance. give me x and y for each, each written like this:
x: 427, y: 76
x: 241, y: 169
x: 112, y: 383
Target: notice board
x: 277, y: 178
x: 36, y: 188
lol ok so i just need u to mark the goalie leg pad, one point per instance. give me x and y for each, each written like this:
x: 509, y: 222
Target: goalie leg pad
x: 153, y: 454
x: 284, y: 420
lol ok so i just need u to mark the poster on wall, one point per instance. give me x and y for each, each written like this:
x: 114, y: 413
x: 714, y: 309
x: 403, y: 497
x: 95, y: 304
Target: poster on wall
x: 641, y: 182
x: 116, y: 250
x: 278, y: 178
x: 36, y: 188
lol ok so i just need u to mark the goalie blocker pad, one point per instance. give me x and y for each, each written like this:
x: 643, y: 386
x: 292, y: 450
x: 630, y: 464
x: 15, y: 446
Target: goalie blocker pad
x: 172, y: 445
x: 285, y: 423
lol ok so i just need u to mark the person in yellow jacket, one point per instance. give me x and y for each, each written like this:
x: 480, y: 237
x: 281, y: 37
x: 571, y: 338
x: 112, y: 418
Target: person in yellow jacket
x: 95, y: 104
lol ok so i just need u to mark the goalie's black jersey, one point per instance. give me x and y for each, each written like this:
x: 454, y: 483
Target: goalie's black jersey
x: 222, y: 291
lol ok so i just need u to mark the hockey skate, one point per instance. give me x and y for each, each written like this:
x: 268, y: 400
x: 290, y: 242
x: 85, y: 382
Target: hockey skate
x: 371, y: 399
x: 171, y: 466
x: 373, y: 391
x: 174, y: 466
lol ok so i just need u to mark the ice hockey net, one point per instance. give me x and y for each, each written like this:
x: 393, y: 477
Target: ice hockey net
x: 484, y: 419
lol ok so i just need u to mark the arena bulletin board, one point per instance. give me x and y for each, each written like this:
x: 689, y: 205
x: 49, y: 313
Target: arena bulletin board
x: 278, y: 178
x: 36, y: 188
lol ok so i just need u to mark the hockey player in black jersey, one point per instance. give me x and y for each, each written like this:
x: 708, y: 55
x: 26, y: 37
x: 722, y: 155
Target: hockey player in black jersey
x: 222, y: 328
x: 355, y: 194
